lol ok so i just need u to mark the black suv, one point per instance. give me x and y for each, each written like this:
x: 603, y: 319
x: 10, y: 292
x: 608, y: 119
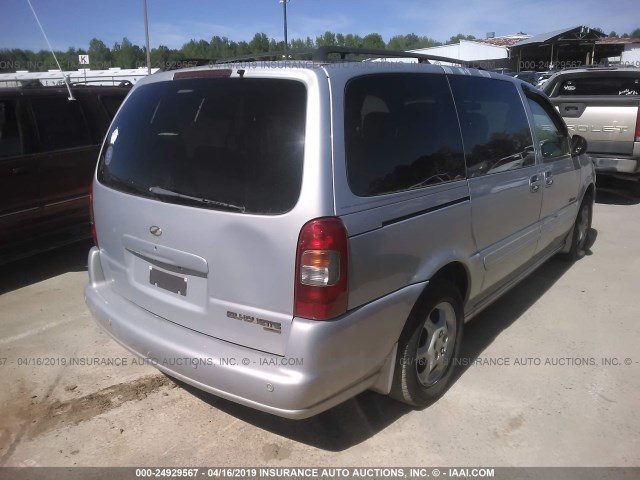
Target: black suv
x: 48, y: 151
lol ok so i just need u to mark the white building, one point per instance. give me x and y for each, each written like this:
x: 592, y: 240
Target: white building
x: 630, y: 55
x: 112, y: 76
x: 496, y: 48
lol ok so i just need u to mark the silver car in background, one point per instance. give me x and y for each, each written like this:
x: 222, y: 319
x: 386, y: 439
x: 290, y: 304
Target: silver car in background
x: 287, y: 235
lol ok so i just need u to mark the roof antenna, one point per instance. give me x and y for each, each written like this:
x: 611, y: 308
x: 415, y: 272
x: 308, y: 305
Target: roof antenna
x: 66, y: 80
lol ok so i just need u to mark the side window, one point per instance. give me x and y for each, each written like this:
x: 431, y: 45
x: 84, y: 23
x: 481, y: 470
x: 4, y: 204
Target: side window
x: 60, y: 123
x: 401, y: 133
x: 495, y: 130
x: 552, y: 136
x: 10, y: 143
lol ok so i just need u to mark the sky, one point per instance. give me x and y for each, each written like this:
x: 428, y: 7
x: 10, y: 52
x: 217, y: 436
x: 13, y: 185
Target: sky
x: 73, y: 23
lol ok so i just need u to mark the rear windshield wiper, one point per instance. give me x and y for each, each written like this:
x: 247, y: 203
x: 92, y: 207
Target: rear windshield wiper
x: 127, y: 185
x: 161, y: 192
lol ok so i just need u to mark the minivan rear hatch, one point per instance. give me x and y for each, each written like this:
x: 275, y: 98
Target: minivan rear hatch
x: 196, y: 182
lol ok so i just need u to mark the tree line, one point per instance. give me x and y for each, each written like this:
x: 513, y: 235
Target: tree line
x: 634, y: 34
x: 125, y: 54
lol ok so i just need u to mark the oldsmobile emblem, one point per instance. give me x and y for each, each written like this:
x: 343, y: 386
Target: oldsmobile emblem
x: 157, y: 231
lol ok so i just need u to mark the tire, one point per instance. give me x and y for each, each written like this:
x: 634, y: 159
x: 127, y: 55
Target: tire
x: 581, y: 229
x: 428, y: 346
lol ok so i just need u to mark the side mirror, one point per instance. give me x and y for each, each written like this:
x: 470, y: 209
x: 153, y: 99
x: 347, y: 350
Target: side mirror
x: 578, y: 145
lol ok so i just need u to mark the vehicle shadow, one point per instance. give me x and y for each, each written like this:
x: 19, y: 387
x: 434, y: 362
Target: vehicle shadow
x: 611, y: 191
x: 362, y: 417
x: 481, y: 331
x: 42, y: 266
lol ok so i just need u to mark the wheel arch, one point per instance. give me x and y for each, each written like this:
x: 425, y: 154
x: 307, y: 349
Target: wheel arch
x: 457, y: 274
x: 590, y: 190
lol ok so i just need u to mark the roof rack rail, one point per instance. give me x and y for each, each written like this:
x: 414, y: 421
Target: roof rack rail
x: 599, y: 66
x: 323, y: 55
x: 113, y: 82
x: 280, y: 55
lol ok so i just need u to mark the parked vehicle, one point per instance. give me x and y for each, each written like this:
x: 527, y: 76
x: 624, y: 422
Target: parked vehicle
x: 528, y: 76
x: 48, y: 151
x: 602, y: 105
x: 296, y: 234
x: 543, y: 77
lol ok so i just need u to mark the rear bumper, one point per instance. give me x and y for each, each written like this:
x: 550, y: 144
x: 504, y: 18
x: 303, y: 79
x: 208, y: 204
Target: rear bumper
x: 326, y: 362
x: 615, y: 164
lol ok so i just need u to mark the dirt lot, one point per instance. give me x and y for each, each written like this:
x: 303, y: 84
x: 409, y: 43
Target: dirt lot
x: 554, y: 380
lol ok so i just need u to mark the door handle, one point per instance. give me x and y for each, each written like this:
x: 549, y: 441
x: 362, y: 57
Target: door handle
x: 534, y: 183
x: 548, y: 178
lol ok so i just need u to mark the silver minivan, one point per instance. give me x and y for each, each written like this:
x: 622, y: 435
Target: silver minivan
x: 286, y: 235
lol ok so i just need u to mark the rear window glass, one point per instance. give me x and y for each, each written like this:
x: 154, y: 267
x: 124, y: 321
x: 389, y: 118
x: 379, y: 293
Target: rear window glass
x: 227, y: 144
x: 609, y: 85
x: 401, y: 133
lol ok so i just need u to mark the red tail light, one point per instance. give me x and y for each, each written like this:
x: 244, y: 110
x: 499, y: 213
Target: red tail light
x: 93, y: 222
x: 322, y: 270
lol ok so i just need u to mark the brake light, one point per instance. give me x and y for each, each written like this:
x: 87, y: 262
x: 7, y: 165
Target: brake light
x: 93, y: 222
x: 322, y: 268
x: 208, y: 73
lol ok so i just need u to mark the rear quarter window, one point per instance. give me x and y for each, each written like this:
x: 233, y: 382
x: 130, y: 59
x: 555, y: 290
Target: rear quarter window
x: 236, y: 142
x: 401, y: 133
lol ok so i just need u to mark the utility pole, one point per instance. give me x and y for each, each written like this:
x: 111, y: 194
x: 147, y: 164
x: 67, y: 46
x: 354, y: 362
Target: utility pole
x: 284, y: 9
x: 146, y: 36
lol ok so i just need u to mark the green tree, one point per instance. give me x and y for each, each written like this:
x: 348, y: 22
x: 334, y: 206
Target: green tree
x: 160, y: 57
x: 124, y: 54
x: 635, y: 33
x: 222, y: 47
x: 17, y: 59
x: 613, y: 34
x: 460, y: 36
x: 243, y: 48
x: 326, y: 39
x: 259, y: 44
x: 276, y: 46
x: 353, y: 41
x: 398, y: 42
x: 373, y: 40
x: 298, y: 44
x: 411, y: 42
x: 99, y: 54
x: 196, y: 50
